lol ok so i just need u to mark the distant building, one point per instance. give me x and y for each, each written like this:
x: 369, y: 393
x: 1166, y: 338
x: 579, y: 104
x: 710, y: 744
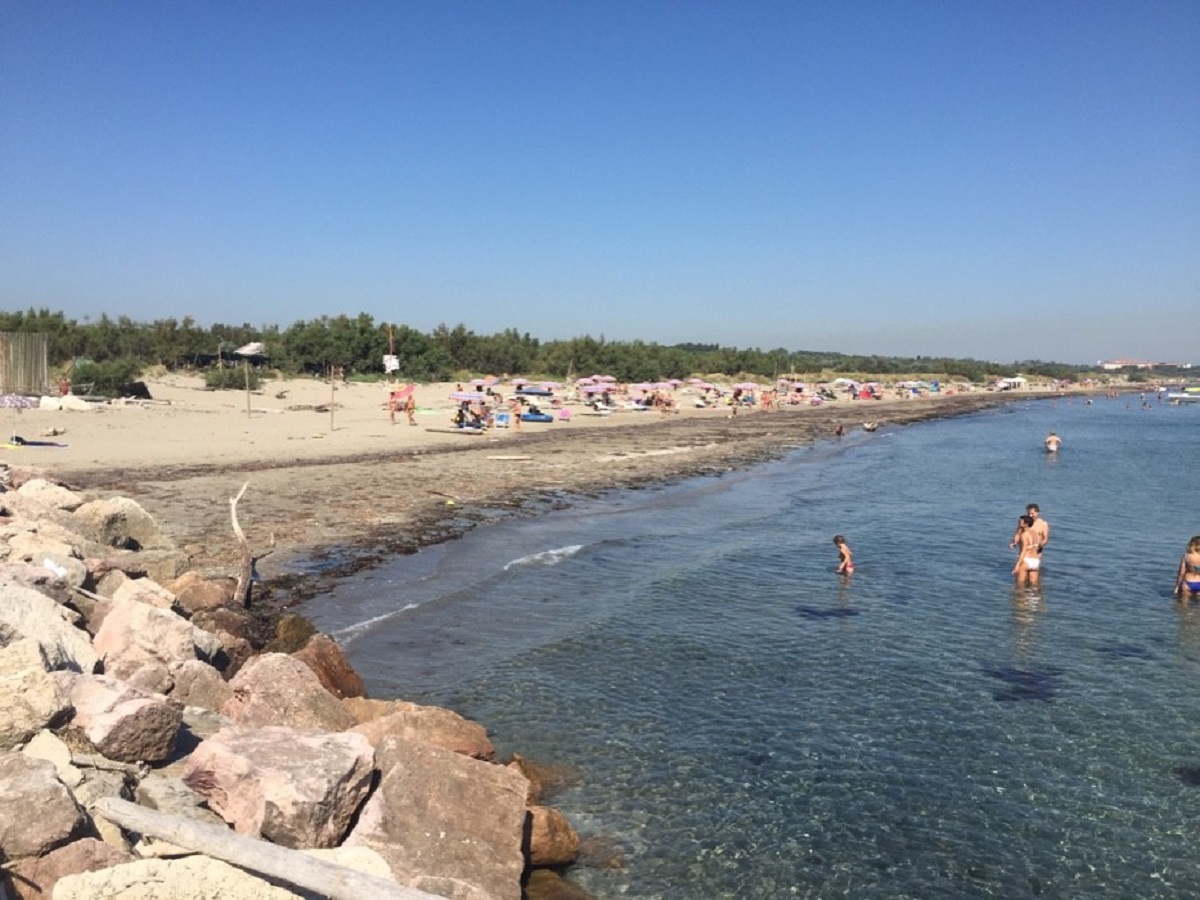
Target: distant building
x: 1110, y: 365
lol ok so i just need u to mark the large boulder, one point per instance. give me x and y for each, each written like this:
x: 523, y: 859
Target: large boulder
x: 27, y: 786
x: 194, y: 592
x: 51, y: 494
x: 123, y: 722
x: 30, y: 700
x: 324, y: 656
x: 438, y: 815
x: 50, y: 747
x: 199, y: 684
x: 25, y: 612
x: 121, y: 522
x: 40, y: 579
x: 276, y: 689
x: 294, y: 788
x: 36, y: 877
x: 160, y: 564
x: 143, y: 590
x: 133, y: 634
x: 430, y: 725
x: 552, y: 840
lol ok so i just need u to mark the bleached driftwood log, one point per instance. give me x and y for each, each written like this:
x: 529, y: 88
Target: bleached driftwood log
x: 293, y: 866
x: 245, y: 579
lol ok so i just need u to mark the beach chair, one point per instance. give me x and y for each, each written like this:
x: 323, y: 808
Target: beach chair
x: 502, y: 420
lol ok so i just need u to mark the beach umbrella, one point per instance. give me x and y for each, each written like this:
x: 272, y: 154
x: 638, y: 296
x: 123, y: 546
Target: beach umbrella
x: 550, y: 385
x: 466, y: 395
x: 519, y: 381
x: 747, y: 385
x: 609, y: 378
x: 484, y: 382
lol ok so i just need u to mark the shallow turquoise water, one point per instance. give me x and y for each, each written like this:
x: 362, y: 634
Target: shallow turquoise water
x: 749, y: 725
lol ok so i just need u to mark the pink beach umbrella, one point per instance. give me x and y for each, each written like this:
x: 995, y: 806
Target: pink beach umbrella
x: 466, y: 395
x: 746, y: 386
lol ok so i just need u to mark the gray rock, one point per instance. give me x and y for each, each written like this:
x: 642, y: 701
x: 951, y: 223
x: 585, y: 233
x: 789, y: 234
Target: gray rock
x: 31, y: 700
x: 50, y: 747
x: 199, y: 684
x: 25, y: 612
x: 191, y: 878
x: 121, y: 522
x: 51, y: 494
x: 28, y: 784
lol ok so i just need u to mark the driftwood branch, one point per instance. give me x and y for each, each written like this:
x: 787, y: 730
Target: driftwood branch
x: 90, y: 761
x: 292, y: 866
x: 245, y: 579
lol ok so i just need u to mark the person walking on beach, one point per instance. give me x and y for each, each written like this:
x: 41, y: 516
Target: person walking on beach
x: 514, y: 407
x: 1187, y: 580
x: 410, y: 408
x: 1029, y: 563
x: 1053, y: 442
x: 845, y: 556
x: 1040, y: 528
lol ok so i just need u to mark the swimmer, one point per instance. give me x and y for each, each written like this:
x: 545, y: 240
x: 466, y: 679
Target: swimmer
x: 1053, y: 442
x: 845, y: 556
x: 1187, y: 580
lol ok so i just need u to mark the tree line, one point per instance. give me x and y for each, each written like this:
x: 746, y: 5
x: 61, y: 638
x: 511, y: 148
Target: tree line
x: 356, y: 345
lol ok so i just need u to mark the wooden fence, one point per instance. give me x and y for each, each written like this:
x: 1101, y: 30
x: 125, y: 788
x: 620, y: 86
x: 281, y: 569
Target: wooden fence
x: 23, y: 368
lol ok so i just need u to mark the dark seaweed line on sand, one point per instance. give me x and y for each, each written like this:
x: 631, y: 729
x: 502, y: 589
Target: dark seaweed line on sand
x: 743, y: 441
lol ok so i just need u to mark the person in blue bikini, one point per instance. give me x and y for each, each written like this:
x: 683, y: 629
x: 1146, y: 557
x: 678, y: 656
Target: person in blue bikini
x: 1187, y: 581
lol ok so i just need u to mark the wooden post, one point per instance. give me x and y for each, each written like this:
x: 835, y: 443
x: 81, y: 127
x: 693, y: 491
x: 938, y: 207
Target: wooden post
x: 304, y: 871
x: 246, y: 364
x: 333, y: 370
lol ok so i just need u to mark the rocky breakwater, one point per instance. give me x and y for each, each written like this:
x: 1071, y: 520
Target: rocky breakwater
x: 151, y: 746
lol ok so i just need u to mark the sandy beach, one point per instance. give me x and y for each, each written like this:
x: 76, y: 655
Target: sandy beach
x: 331, y: 476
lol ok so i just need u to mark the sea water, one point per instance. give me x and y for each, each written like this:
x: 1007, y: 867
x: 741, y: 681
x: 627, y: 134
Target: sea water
x: 748, y: 724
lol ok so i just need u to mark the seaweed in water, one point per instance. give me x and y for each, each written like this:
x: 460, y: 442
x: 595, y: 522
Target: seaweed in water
x: 817, y: 612
x: 1189, y: 775
x: 1025, y: 684
x: 1125, y: 651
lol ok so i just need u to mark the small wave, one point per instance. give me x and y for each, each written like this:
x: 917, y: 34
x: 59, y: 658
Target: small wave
x: 545, y: 557
x: 358, y: 629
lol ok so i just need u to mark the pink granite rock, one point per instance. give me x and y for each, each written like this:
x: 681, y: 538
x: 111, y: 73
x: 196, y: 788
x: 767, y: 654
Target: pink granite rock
x: 296, y: 788
x: 276, y: 689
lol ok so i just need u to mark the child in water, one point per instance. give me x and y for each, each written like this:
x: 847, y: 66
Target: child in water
x: 845, y: 556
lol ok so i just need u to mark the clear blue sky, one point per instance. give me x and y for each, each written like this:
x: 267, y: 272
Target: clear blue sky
x: 999, y: 180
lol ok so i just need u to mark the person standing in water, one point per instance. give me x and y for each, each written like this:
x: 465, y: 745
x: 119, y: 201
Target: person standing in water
x: 1053, y: 442
x: 1029, y: 563
x: 1187, y: 579
x: 1041, y: 528
x: 845, y: 556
